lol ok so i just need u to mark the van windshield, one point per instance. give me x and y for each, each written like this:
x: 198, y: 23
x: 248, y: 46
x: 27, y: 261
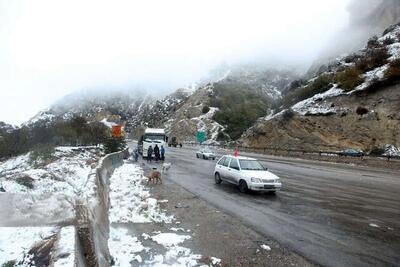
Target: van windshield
x: 153, y: 137
x: 251, y: 165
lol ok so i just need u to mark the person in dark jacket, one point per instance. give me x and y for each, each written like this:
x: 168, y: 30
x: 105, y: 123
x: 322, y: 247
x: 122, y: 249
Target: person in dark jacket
x: 136, y: 154
x: 149, y: 154
x: 162, y: 150
x: 157, y: 153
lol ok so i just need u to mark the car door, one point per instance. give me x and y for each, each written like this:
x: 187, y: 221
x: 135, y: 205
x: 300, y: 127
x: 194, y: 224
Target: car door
x: 234, y: 171
x: 220, y: 166
x: 225, y: 168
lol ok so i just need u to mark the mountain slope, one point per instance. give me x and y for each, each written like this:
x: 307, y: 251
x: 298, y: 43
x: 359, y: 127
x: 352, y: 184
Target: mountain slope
x: 359, y: 107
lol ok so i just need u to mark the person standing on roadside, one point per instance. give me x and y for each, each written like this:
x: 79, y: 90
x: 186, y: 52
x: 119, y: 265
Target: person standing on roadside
x: 149, y: 154
x: 162, y: 150
x: 157, y: 152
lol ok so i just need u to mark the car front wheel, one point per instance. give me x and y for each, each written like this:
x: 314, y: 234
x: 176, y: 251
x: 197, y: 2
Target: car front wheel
x: 218, y: 178
x: 243, y: 186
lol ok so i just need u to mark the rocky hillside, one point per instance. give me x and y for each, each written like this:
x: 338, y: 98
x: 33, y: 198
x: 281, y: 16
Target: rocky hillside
x: 354, y: 102
x: 225, y: 108
x: 5, y: 128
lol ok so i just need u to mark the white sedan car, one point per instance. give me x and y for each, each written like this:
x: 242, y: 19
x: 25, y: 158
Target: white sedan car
x: 247, y: 173
x: 205, y: 153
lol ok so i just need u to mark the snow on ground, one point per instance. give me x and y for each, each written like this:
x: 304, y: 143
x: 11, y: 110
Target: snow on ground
x: 41, y: 190
x: 310, y: 106
x: 66, y: 173
x: 169, y: 239
x: 124, y: 248
x: 391, y: 150
x: 371, y: 77
x: 215, y: 261
x: 266, y: 247
x: 65, y: 253
x: 15, y: 242
x: 131, y: 202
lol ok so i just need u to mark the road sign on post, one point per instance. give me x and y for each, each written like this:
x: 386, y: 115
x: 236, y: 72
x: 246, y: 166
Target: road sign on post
x: 201, y: 136
x: 116, y: 131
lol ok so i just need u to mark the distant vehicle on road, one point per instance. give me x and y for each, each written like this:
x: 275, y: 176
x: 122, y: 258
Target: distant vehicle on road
x: 246, y: 173
x: 205, y: 153
x: 173, y: 142
x: 151, y: 137
x: 351, y: 152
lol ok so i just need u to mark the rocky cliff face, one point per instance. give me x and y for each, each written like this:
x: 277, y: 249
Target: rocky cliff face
x: 359, y: 107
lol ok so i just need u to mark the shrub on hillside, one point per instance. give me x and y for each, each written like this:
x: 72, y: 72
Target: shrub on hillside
x: 319, y: 85
x: 349, y: 79
x: 389, y: 40
x: 361, y: 110
x: 26, y: 181
x: 11, y: 263
x: 71, y: 133
x: 114, y: 144
x: 373, y: 42
x: 393, y: 71
x: 205, y: 109
x: 239, y: 107
x: 374, y: 58
x: 287, y: 115
x: 41, y: 153
x: 377, y: 151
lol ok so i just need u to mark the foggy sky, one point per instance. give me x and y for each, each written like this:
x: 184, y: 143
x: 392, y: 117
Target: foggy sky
x: 51, y: 48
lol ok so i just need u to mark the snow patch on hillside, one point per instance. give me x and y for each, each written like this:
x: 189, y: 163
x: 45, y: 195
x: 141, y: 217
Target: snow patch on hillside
x: 317, y: 103
x: 67, y: 173
x: 391, y: 150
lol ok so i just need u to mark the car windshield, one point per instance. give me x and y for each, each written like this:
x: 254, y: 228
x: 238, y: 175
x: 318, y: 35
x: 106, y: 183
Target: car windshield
x: 252, y: 165
x: 207, y: 151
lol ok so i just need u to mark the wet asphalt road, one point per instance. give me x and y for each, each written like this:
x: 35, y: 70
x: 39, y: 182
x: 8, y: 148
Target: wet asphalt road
x: 326, y: 212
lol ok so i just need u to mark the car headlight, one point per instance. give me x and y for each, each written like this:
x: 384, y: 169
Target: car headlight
x: 255, y: 180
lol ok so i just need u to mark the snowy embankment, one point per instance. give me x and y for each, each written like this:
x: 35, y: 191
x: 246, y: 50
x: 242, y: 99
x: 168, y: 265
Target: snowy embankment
x: 131, y: 203
x: 41, y: 193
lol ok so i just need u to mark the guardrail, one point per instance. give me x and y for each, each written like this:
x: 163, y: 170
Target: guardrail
x: 291, y: 152
x: 92, y: 216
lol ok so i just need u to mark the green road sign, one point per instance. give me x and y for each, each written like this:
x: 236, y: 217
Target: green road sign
x: 201, y: 137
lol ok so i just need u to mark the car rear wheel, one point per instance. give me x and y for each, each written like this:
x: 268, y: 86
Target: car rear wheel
x: 197, y: 155
x: 204, y: 157
x: 218, y: 178
x: 243, y: 186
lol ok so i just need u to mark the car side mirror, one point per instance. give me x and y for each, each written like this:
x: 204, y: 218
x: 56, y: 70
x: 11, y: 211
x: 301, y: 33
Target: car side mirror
x: 266, y: 168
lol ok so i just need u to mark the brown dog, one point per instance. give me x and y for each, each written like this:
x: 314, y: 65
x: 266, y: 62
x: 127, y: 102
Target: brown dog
x: 154, y: 177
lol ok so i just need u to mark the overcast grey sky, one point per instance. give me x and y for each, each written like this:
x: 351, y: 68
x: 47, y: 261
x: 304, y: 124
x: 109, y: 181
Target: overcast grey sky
x: 49, y: 48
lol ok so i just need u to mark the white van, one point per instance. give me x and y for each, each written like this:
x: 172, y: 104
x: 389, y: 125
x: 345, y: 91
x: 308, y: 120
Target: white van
x: 151, y: 137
